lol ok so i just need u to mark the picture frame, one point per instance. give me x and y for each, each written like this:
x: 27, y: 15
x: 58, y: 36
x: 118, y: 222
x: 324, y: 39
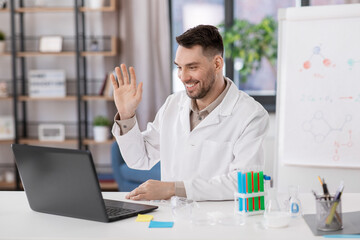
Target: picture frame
x: 51, y: 132
x: 7, y: 128
x: 50, y: 44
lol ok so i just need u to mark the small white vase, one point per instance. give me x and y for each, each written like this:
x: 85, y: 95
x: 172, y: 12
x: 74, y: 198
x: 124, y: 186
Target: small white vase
x: 2, y: 46
x: 96, y: 3
x: 101, y: 133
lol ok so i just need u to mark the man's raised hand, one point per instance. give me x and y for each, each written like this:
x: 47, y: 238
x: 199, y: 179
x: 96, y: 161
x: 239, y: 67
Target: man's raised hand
x: 127, y: 95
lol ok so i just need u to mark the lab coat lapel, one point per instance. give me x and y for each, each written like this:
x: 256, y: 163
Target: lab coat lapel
x: 224, y: 109
x: 185, y: 115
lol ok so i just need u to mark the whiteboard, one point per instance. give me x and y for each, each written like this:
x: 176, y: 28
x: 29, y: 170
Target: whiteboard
x: 318, y: 92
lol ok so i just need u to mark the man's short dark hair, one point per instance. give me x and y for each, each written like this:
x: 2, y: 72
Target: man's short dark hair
x: 207, y: 36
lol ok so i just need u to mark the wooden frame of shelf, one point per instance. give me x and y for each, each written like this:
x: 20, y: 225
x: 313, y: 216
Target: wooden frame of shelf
x: 95, y: 98
x: 6, y: 98
x: 7, y: 141
x: 92, y: 142
x: 6, y: 10
x: 33, y: 141
x: 7, y: 185
x: 5, y: 54
x: 27, y: 98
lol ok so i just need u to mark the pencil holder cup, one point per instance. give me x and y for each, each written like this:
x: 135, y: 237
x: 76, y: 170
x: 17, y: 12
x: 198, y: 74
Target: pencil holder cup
x: 328, y: 214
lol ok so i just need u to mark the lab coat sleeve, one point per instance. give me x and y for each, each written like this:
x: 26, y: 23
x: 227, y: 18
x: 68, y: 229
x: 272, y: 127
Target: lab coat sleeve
x: 140, y: 150
x: 248, y: 156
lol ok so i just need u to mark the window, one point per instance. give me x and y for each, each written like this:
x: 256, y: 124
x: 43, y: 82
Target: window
x: 189, y: 13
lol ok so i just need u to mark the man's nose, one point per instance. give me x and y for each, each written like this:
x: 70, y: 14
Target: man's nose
x: 184, y: 76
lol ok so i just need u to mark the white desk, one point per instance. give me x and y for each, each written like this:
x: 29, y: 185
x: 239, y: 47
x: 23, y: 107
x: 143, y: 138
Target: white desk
x: 18, y: 221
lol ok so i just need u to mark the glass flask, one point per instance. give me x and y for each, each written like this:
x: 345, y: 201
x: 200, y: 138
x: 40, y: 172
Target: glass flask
x: 294, y: 202
x: 275, y: 216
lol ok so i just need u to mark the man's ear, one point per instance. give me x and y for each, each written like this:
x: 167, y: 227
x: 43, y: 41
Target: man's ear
x: 219, y: 63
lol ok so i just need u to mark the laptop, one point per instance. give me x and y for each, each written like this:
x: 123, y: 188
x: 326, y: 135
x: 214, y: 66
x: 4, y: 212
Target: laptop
x: 64, y: 182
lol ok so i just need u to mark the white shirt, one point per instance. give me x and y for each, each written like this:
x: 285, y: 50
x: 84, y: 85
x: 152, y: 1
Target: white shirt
x: 207, y: 158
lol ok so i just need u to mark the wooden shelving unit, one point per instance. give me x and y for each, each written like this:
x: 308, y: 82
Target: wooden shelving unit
x: 77, y: 50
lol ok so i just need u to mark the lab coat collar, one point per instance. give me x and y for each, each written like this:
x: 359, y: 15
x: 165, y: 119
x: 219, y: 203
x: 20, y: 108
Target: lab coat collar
x: 224, y: 109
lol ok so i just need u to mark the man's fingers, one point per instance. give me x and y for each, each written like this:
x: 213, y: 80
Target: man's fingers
x: 139, y: 90
x: 114, y: 82
x: 125, y: 73
x: 132, y: 76
x: 119, y: 76
x: 139, y: 197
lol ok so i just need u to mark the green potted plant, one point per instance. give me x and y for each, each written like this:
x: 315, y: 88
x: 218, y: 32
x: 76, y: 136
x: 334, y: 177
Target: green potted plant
x: 101, y: 126
x: 2, y: 42
x: 247, y: 43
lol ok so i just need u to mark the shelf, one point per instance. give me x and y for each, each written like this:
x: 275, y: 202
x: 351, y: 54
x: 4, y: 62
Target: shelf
x: 5, y: 54
x: 109, y: 186
x: 6, y: 10
x: 6, y: 98
x: 95, y: 98
x: 44, y: 9
x: 33, y: 141
x: 7, y: 185
x: 92, y: 142
x: 37, y: 54
x: 111, y: 53
x: 27, y: 98
x: 7, y: 141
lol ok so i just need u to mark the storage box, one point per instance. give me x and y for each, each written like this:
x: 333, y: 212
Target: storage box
x: 47, y: 83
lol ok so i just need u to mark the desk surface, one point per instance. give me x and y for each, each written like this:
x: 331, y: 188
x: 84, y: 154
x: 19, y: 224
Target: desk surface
x: 18, y: 221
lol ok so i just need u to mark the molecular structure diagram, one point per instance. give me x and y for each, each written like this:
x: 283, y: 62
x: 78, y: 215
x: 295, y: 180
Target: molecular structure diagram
x: 317, y: 52
x: 351, y: 62
x: 338, y: 145
x: 320, y: 129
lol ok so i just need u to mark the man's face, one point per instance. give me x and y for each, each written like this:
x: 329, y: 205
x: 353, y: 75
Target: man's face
x: 196, y: 71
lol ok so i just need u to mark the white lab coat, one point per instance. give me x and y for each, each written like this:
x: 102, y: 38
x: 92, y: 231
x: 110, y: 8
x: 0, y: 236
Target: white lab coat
x: 208, y: 157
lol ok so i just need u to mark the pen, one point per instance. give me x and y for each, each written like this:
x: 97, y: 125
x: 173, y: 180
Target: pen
x: 330, y: 217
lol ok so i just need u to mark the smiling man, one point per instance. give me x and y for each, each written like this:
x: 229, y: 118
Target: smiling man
x: 202, y: 136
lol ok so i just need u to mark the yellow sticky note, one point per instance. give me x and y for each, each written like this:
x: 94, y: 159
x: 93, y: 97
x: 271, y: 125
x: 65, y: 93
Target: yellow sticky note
x: 144, y: 218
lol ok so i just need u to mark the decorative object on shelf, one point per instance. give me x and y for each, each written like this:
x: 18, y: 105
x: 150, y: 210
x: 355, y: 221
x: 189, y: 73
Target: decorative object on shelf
x: 101, y: 128
x: 50, y: 44
x: 3, y: 89
x: 94, y: 45
x: 47, y: 83
x: 247, y: 43
x: 9, y: 176
x: 3, y: 4
x: 7, y: 129
x: 96, y: 4
x: 51, y: 132
x: 2, y: 42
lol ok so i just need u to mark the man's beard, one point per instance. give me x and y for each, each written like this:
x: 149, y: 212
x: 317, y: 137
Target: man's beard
x: 204, y: 90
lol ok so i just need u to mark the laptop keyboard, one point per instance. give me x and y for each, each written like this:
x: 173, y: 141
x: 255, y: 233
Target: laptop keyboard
x: 115, y: 212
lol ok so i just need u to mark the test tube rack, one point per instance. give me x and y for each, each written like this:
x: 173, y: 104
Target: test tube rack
x: 250, y: 198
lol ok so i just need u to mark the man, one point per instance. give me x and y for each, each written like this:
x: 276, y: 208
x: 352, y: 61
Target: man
x: 202, y: 136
